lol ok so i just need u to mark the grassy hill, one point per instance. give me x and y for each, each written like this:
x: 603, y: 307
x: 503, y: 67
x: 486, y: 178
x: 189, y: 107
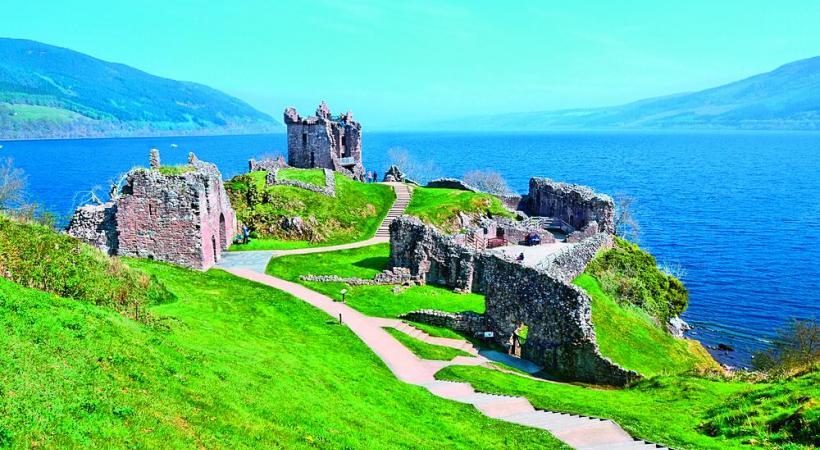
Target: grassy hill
x: 784, y: 99
x: 50, y: 92
x: 353, y: 215
x: 441, y: 207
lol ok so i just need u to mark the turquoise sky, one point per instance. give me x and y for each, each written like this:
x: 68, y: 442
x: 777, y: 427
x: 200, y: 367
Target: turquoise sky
x: 394, y: 63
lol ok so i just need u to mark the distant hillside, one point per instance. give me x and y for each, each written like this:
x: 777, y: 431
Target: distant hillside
x: 787, y: 98
x: 52, y: 92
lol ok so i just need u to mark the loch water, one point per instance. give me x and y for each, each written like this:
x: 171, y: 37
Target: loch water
x: 736, y: 213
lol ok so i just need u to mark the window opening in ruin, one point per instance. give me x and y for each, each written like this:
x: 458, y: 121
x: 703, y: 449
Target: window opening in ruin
x: 518, y: 339
x: 216, y: 252
x: 150, y: 210
x: 304, y: 140
x: 312, y: 159
x: 222, y: 231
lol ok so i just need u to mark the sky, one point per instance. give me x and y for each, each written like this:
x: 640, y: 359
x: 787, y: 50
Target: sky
x: 396, y: 62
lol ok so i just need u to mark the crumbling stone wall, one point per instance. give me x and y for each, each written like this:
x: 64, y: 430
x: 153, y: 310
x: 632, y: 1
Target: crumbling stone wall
x: 451, y: 183
x: 557, y: 313
x: 184, y: 218
x: 96, y: 225
x: 325, y: 141
x: 570, y: 262
x: 574, y: 204
x: 467, y: 322
x: 268, y: 164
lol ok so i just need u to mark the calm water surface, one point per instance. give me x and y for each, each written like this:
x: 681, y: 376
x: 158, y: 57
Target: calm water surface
x: 738, y: 213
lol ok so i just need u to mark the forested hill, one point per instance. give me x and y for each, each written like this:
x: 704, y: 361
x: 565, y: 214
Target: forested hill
x: 53, y: 92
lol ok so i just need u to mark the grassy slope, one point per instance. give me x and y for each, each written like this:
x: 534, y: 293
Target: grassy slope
x: 353, y: 215
x: 366, y: 262
x: 679, y: 411
x: 630, y: 338
x: 237, y: 365
x: 424, y: 350
x: 37, y: 257
x: 440, y: 207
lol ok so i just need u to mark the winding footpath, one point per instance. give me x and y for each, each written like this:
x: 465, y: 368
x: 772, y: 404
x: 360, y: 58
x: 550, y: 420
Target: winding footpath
x: 579, y: 432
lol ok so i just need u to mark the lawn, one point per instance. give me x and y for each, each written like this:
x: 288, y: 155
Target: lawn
x: 230, y: 364
x: 440, y: 207
x: 683, y: 412
x: 26, y: 113
x: 366, y: 262
x: 424, y: 350
x: 627, y: 335
x: 311, y: 176
x: 353, y: 215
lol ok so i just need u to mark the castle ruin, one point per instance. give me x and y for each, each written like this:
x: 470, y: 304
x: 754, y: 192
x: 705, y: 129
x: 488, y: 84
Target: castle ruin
x: 325, y: 141
x: 181, y: 215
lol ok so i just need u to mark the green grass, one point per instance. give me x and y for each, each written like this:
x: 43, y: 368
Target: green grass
x: 311, y: 176
x: 36, y: 256
x: 366, y: 262
x: 436, y: 331
x: 424, y: 350
x: 175, y: 170
x: 440, y: 207
x: 269, y: 244
x: 629, y: 336
x: 234, y: 365
x: 678, y: 411
x: 27, y: 113
x: 353, y: 215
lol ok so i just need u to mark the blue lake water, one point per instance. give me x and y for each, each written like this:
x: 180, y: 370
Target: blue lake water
x: 739, y: 213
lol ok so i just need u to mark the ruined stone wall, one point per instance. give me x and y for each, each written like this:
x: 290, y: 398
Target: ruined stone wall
x: 467, y: 322
x: 266, y: 164
x: 574, y: 204
x: 570, y: 262
x: 96, y: 225
x: 185, y: 218
x: 558, y: 314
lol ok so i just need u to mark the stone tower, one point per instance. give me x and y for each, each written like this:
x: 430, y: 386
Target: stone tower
x: 325, y: 141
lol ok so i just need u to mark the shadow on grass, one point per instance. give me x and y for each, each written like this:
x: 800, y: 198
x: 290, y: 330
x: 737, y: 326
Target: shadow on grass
x: 376, y: 263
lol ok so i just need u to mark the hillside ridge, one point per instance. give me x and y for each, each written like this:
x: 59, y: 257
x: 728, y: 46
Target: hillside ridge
x: 54, y: 92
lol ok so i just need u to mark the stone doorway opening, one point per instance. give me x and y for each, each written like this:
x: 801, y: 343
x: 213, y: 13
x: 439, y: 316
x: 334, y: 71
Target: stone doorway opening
x: 222, y: 232
x: 216, y: 249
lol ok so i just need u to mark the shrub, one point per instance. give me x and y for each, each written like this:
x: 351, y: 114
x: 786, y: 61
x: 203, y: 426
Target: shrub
x: 631, y: 275
x: 796, y: 348
x: 37, y: 257
x: 488, y: 181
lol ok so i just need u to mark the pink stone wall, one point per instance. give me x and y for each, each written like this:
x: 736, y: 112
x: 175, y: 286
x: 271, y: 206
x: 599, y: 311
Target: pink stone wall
x: 176, y: 218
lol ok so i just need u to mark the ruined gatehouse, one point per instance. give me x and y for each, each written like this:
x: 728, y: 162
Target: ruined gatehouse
x: 325, y: 141
x: 181, y: 215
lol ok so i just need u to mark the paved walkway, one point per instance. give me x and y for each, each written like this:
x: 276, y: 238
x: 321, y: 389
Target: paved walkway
x: 577, y: 431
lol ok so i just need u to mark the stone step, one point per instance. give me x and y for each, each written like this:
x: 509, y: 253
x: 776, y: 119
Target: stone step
x: 631, y: 445
x: 497, y: 406
x: 449, y: 389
